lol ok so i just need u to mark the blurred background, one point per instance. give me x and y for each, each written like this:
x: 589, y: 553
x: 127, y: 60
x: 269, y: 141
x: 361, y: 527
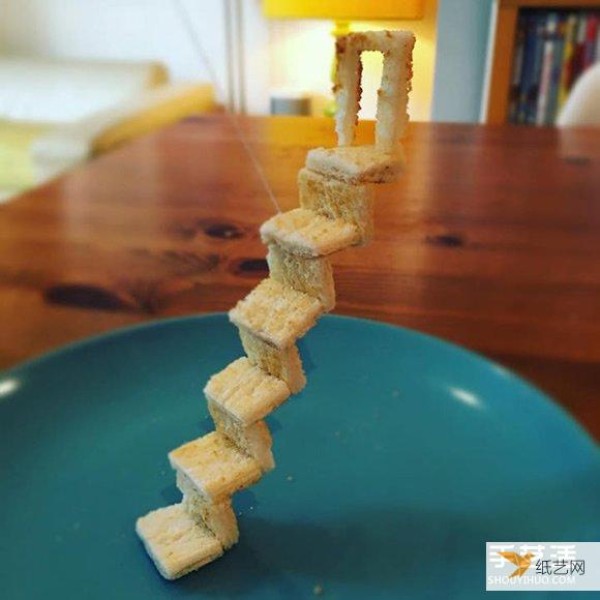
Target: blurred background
x: 79, y: 78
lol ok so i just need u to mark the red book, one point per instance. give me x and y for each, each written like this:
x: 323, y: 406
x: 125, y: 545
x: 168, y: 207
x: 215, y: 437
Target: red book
x: 597, y: 54
x: 542, y: 117
x: 589, y: 50
x: 578, y: 50
x: 567, y: 58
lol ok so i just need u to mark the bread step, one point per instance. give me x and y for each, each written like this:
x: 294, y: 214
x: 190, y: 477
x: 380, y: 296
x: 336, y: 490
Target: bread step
x: 219, y: 518
x: 312, y: 276
x: 306, y: 233
x: 176, y: 542
x: 285, y: 364
x: 245, y: 391
x: 255, y: 440
x: 276, y: 313
x: 215, y: 466
x: 352, y: 203
x: 356, y: 164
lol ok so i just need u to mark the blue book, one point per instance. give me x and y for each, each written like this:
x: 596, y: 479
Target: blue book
x: 533, y: 88
x: 517, y: 70
x: 529, y: 20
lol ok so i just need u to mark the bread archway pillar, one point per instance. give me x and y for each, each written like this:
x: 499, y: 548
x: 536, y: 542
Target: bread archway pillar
x: 392, y: 96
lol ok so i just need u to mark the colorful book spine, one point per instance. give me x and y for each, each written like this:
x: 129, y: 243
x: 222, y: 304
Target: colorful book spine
x: 530, y: 24
x: 597, y: 53
x: 556, y: 69
x: 536, y: 77
x: 552, y: 49
x: 589, y: 50
x: 514, y: 95
x: 567, y: 56
x: 541, y: 116
x: 579, y: 51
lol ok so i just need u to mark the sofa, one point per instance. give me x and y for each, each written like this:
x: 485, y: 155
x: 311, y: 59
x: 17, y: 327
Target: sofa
x: 55, y: 114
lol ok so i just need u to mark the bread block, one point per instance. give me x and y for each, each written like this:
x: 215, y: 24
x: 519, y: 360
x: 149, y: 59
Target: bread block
x: 336, y: 199
x: 356, y: 164
x: 312, y: 276
x: 307, y: 233
x: 176, y: 542
x: 276, y: 313
x: 255, y: 440
x: 245, y: 391
x: 283, y: 363
x: 216, y: 466
x: 219, y: 518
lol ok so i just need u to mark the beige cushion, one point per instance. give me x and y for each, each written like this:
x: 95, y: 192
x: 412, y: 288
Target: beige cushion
x: 53, y: 91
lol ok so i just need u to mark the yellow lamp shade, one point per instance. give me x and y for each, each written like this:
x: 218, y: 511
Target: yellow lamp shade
x: 344, y: 10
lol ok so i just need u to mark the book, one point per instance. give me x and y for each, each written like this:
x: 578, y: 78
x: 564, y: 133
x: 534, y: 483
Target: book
x: 579, y: 50
x: 567, y: 56
x: 530, y: 68
x: 589, y: 49
x: 549, y: 43
x: 534, y: 88
x: 530, y: 24
x: 517, y: 72
x: 556, y: 69
x: 597, y: 53
x: 552, y: 48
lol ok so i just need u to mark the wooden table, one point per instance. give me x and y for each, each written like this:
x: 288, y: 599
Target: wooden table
x: 491, y: 240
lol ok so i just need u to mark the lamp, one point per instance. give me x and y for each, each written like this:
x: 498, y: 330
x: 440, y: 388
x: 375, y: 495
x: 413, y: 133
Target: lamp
x: 344, y: 10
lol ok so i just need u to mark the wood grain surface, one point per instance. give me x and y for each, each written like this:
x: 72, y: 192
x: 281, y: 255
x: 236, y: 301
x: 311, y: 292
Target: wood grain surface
x: 491, y: 240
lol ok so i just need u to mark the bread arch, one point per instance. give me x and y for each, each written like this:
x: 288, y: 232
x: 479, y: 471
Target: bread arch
x: 392, y: 96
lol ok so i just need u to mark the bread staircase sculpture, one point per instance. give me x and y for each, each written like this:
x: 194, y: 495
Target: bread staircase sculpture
x: 335, y: 212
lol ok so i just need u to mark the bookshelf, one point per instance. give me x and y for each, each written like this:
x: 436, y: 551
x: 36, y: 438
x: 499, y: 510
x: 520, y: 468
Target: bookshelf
x: 496, y: 109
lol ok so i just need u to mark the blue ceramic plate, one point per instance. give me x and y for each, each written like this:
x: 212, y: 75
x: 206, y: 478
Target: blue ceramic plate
x: 401, y: 457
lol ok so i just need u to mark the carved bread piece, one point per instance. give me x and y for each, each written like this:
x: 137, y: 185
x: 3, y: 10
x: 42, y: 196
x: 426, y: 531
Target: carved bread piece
x: 216, y: 466
x: 276, y: 313
x: 255, y: 440
x: 283, y: 363
x: 352, y: 203
x: 306, y: 233
x: 312, y: 276
x: 219, y: 518
x: 392, y: 116
x: 176, y: 542
x: 356, y: 165
x: 245, y: 391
